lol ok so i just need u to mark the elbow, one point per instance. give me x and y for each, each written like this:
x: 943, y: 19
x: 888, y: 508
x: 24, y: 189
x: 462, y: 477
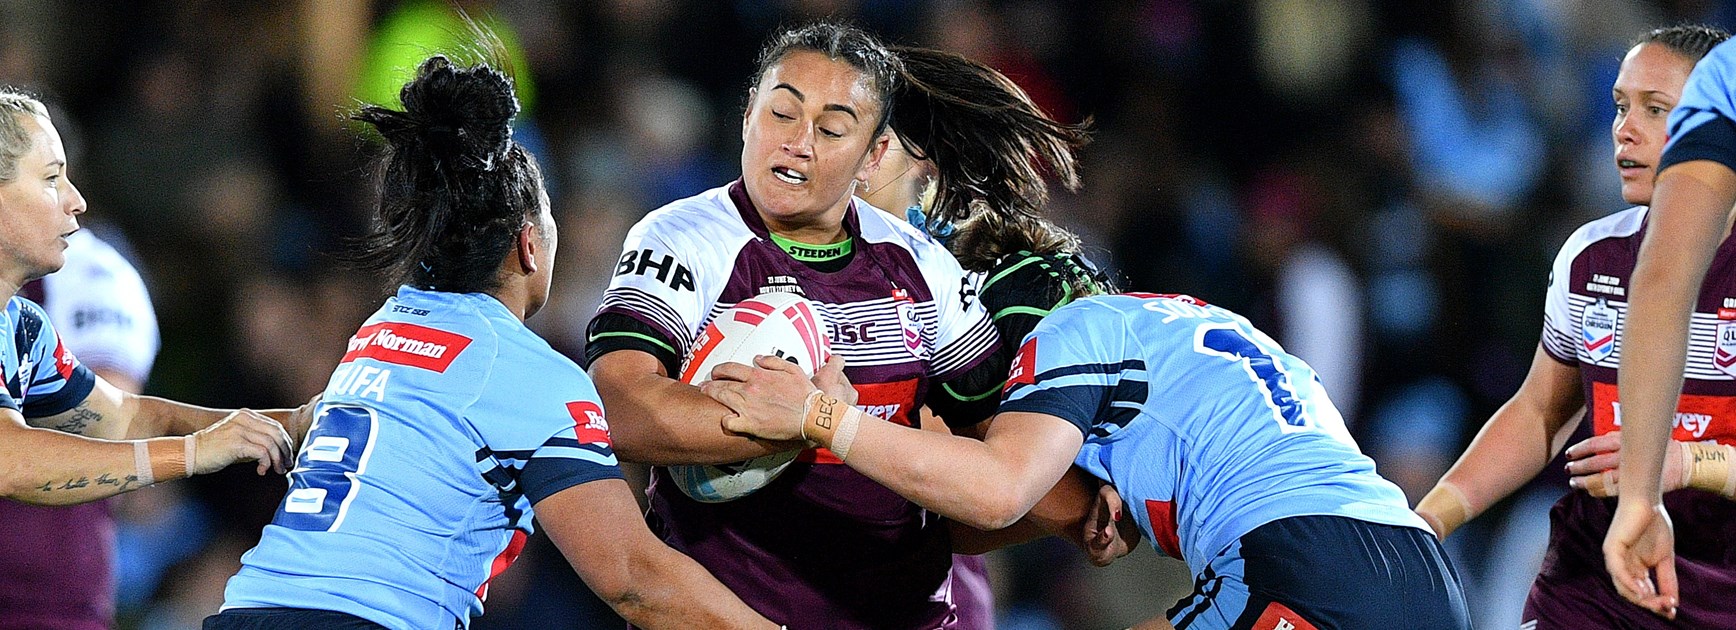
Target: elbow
x: 999, y: 510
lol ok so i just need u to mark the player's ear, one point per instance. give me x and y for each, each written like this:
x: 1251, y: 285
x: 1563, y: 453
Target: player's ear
x: 528, y: 246
x: 747, y: 111
x: 876, y: 152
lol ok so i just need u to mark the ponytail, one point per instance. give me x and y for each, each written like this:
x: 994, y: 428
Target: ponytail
x: 992, y: 148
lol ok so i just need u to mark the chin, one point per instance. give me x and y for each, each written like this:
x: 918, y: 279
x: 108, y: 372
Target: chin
x: 1637, y: 198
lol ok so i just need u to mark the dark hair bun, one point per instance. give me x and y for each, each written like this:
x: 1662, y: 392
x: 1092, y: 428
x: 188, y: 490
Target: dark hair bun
x: 460, y: 115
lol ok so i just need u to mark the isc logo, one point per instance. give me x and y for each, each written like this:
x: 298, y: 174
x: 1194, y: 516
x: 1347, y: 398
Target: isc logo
x: 668, y: 270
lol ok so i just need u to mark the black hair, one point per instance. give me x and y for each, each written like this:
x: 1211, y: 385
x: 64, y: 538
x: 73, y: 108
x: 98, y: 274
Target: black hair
x: 1688, y: 40
x: 455, y: 189
x: 992, y: 148
x: 841, y: 42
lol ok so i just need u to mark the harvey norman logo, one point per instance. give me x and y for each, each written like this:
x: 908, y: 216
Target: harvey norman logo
x: 406, y: 344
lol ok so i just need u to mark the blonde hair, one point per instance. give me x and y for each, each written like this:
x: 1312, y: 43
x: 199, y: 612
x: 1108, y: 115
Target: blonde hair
x: 15, y: 138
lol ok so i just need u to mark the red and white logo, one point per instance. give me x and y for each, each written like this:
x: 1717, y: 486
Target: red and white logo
x: 1279, y: 617
x: 589, y: 426
x: 1025, y: 365
x: 63, y: 361
x: 407, y: 344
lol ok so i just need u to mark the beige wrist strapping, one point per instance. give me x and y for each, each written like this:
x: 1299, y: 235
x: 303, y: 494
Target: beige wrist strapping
x: 1706, y: 466
x: 160, y: 460
x: 1446, y: 508
x: 825, y: 413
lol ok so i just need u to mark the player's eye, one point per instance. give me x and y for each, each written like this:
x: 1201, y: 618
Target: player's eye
x: 831, y: 134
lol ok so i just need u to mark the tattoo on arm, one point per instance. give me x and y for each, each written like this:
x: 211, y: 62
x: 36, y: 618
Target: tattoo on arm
x: 128, y: 482
x: 81, y: 419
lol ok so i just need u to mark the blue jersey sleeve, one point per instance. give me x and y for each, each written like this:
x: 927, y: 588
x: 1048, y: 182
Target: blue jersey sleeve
x: 56, y: 382
x: 1073, y: 366
x: 540, y: 416
x: 1703, y: 124
x: 577, y: 453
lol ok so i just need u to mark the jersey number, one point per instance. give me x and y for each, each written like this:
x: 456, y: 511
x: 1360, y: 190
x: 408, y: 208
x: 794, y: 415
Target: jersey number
x: 327, y: 474
x: 1230, y: 342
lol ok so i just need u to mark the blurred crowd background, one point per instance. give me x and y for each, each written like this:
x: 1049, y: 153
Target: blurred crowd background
x: 1380, y: 184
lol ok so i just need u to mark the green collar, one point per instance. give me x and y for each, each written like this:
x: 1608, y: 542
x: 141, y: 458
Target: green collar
x: 814, y: 253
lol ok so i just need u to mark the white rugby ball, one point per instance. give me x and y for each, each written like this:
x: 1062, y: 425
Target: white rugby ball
x: 784, y: 325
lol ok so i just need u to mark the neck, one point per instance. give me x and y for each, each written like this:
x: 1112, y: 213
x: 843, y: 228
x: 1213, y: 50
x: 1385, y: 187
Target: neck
x: 515, y: 296
x: 825, y: 229
x: 10, y: 284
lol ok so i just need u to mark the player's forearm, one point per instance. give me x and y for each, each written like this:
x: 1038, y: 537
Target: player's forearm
x: 1061, y: 513
x: 669, y: 590
x: 661, y: 421
x: 1688, y: 220
x: 1510, y: 450
x: 957, y: 477
x: 47, y: 467
x: 155, y: 416
x: 1654, y: 353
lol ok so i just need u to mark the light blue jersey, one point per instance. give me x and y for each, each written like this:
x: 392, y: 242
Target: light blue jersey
x: 42, y: 377
x: 445, y: 423
x: 1703, y: 125
x: 1202, y: 423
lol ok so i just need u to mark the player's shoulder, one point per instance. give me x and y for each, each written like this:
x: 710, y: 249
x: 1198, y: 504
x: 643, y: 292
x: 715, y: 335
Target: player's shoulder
x: 878, y: 226
x: 1094, y: 314
x: 1620, y: 225
x: 1721, y: 61
x: 699, y: 219
x: 21, y: 311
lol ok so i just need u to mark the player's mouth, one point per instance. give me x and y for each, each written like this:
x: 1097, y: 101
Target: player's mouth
x: 1630, y: 168
x: 789, y: 176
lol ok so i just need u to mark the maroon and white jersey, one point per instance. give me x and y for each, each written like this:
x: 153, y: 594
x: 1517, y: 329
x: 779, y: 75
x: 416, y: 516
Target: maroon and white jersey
x: 822, y: 546
x: 1584, y: 311
x: 1587, y: 303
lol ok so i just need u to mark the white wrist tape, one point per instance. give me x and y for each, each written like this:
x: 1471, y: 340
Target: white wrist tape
x: 142, y: 463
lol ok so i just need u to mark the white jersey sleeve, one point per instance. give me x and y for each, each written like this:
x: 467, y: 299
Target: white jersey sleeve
x: 102, y: 310
x: 1561, y: 325
x: 673, y: 265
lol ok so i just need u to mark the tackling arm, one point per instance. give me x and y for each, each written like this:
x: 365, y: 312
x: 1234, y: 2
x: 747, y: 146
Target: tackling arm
x: 658, y: 420
x: 1513, y: 446
x: 646, y: 582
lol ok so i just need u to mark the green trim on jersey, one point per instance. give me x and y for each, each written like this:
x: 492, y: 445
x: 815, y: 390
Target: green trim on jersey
x: 808, y: 253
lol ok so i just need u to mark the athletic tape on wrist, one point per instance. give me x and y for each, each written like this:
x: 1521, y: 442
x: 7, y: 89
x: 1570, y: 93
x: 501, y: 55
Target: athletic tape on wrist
x: 142, y: 463
x: 846, y: 433
x: 808, y: 413
x: 168, y: 460
x: 188, y: 448
x: 1449, y: 506
x: 1708, y: 467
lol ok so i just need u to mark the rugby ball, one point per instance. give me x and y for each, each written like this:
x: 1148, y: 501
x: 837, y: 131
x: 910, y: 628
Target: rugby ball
x: 783, y: 325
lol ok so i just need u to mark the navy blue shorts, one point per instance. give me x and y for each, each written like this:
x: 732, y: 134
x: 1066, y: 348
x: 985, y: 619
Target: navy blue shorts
x: 1309, y: 572
x: 286, y: 619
